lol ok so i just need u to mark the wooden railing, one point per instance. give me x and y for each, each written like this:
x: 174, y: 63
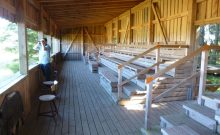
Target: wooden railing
x: 157, y: 48
x: 202, y: 82
x: 165, y: 93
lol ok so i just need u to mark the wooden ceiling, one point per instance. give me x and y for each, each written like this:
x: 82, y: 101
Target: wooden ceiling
x: 69, y: 13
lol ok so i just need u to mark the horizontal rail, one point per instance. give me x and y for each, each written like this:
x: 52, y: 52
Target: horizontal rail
x: 176, y: 86
x: 141, y: 72
x: 212, y: 84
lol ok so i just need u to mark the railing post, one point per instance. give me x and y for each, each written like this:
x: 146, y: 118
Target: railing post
x: 203, y: 72
x: 157, y: 59
x: 149, y: 87
x: 119, y: 82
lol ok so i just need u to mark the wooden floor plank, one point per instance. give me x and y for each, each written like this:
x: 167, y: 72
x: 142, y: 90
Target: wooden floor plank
x: 85, y: 108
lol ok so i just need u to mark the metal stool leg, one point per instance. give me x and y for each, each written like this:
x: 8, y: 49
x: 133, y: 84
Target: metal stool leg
x: 56, y: 110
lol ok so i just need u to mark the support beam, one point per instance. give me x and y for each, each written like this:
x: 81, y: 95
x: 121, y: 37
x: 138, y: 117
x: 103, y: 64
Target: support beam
x: 159, y: 22
x: 90, y: 38
x: 71, y: 43
x: 150, y: 31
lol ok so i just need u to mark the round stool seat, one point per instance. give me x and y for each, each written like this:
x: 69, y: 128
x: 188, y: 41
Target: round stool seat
x: 50, y: 82
x: 47, y: 97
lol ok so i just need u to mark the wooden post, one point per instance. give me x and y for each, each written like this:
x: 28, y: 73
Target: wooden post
x: 40, y: 35
x: 149, y: 87
x: 120, y: 70
x: 150, y: 31
x: 157, y: 59
x: 22, y: 38
x: 203, y: 72
x: 159, y: 22
x: 82, y: 43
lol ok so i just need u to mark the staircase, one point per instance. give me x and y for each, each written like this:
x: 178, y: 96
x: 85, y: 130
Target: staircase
x: 197, y: 119
x: 134, y: 92
x: 201, y: 117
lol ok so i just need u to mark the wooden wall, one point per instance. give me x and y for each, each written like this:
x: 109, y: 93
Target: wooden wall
x: 76, y: 41
x: 162, y: 22
x: 208, y: 11
x: 35, y: 16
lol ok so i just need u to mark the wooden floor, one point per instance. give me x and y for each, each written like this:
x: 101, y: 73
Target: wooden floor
x: 86, y: 109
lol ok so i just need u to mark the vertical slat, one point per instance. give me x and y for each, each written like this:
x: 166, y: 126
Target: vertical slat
x: 218, y: 8
x: 203, y: 72
x: 214, y: 8
x: 157, y: 59
x: 209, y: 9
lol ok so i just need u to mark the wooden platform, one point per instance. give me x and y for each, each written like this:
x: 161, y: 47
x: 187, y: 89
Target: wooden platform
x: 86, y: 109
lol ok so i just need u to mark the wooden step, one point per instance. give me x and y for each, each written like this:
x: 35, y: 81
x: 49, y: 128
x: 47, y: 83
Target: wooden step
x: 168, y: 99
x: 179, y: 119
x: 217, y: 118
x: 132, y: 89
x: 211, y: 100
x: 178, y: 130
x: 201, y: 114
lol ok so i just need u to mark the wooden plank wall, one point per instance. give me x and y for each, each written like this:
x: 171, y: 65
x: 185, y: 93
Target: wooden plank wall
x: 28, y: 14
x: 208, y: 11
x: 95, y: 38
x: 176, y: 18
x: 173, y: 16
x: 32, y: 18
x: 29, y: 87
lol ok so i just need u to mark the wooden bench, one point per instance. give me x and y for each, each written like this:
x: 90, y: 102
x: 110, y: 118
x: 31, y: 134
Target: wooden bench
x: 108, y: 80
x: 93, y: 66
x: 129, y: 69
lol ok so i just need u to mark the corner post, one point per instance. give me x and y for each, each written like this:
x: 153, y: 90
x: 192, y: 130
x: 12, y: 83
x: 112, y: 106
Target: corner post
x: 149, y: 87
x: 120, y: 68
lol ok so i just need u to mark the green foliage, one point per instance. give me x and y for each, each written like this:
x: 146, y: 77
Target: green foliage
x: 209, y: 34
x: 14, y: 66
x: 213, y: 79
x: 31, y: 41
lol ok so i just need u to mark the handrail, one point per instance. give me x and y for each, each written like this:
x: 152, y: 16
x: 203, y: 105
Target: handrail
x: 141, y: 72
x: 180, y: 61
x: 150, y: 50
x: 176, y: 86
x: 175, y: 64
x: 204, y: 61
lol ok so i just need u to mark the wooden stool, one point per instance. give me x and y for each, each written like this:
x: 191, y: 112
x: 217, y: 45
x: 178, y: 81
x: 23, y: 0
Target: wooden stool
x: 49, y: 98
x: 52, y: 86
